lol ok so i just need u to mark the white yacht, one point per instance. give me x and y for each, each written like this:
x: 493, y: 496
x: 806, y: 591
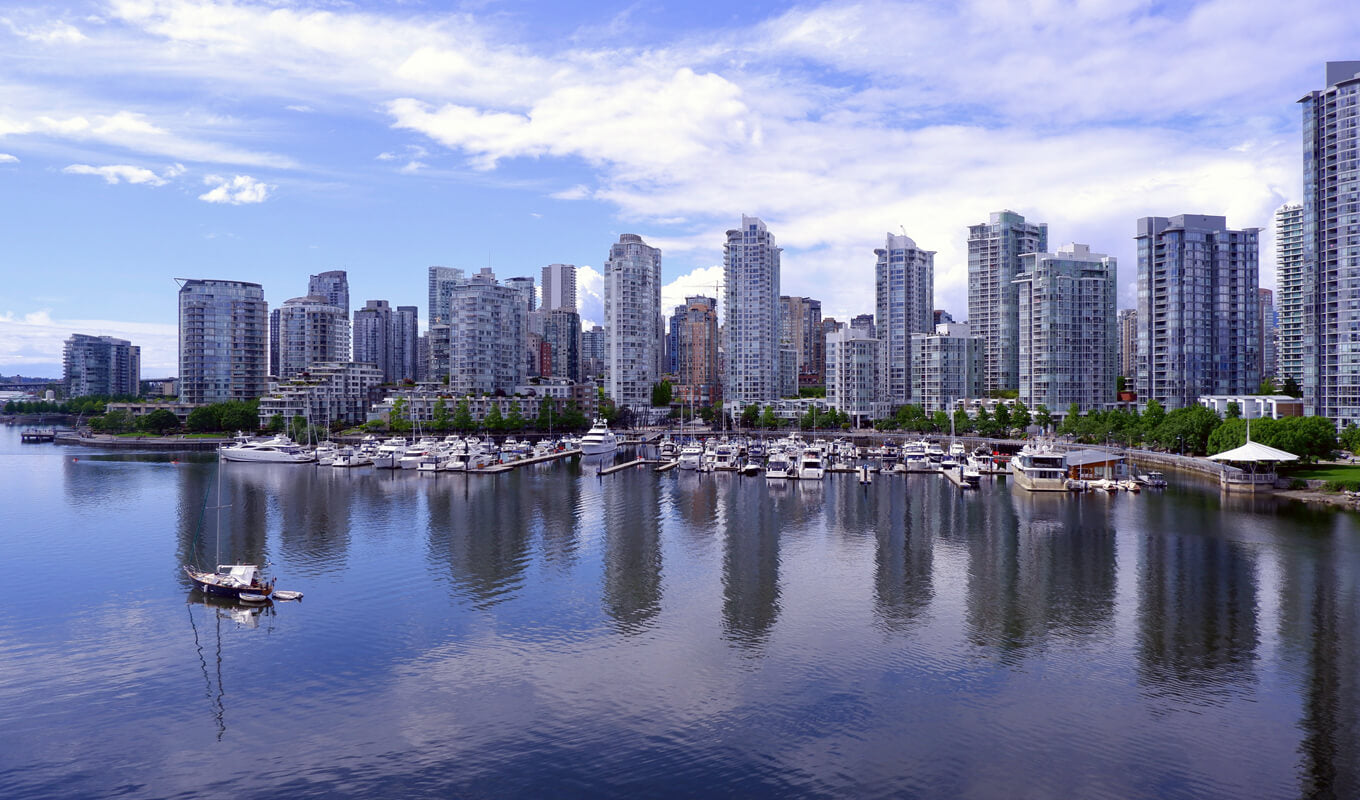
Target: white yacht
x: 691, y: 456
x: 599, y: 439
x: 810, y: 465
x: 725, y: 458
x: 1039, y: 470
x: 780, y: 465
x: 389, y: 453
x: 279, y: 450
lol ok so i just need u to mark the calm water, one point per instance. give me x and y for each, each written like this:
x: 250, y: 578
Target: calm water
x: 550, y: 633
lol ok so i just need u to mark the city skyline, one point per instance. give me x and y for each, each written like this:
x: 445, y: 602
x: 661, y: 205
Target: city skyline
x: 355, y: 149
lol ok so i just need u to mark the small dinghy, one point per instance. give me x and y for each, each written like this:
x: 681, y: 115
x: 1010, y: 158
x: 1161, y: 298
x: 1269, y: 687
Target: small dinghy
x: 251, y: 597
x: 284, y: 594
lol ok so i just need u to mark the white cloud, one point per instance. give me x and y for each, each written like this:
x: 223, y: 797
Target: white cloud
x: 53, y: 33
x: 6, y: 158
x: 236, y: 190
x: 301, y: 109
x: 117, y: 173
x: 578, y: 192
x: 412, y: 167
x: 702, y: 281
x: 36, y: 338
x: 590, y: 296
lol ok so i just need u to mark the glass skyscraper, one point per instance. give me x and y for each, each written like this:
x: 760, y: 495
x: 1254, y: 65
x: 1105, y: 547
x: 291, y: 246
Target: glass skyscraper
x: 223, y: 340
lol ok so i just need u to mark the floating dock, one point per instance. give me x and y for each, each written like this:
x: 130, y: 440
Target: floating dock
x: 496, y: 469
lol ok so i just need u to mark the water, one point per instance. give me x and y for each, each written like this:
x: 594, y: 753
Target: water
x: 550, y: 633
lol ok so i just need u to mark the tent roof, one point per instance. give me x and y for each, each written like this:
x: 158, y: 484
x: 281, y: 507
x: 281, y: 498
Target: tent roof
x: 1252, y: 452
x: 1079, y: 458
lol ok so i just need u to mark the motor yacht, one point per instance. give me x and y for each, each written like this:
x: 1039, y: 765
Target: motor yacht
x: 691, y: 456
x: 810, y: 465
x: 599, y: 439
x: 279, y: 450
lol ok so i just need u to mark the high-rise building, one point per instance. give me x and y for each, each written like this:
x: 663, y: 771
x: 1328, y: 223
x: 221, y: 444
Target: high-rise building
x: 800, y: 330
x: 525, y: 286
x: 1289, y: 280
x: 562, y: 339
x: 906, y: 305
x: 594, y: 349
x: 697, y: 372
x: 437, y: 345
x: 306, y: 331
x: 751, y: 327
x: 101, y: 365
x: 559, y: 287
x: 1068, y: 348
x: 946, y: 366
x: 1127, y: 324
x: 223, y: 340
x: 1269, y: 334
x: 442, y: 281
x: 487, y: 333
x: 632, y: 321
x: 852, y: 372
x: 1331, y: 246
x: 1197, y: 309
x: 994, y: 250
x: 864, y: 323
x: 334, y: 287
x: 389, y: 340
x: 943, y: 317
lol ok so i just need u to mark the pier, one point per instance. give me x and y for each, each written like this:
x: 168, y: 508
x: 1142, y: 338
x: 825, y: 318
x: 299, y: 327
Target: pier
x: 38, y: 436
x: 496, y: 469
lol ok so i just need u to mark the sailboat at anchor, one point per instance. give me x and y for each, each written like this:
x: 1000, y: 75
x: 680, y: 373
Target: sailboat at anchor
x: 243, y: 582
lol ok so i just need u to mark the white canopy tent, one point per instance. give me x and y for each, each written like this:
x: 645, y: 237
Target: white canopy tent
x: 1254, y: 453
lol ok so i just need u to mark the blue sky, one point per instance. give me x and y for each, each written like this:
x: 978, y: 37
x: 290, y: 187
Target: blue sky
x: 144, y: 140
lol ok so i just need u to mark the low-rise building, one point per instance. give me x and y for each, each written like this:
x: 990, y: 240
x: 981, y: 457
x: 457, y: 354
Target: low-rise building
x: 1273, y: 406
x: 946, y: 366
x: 852, y: 374
x: 326, y: 392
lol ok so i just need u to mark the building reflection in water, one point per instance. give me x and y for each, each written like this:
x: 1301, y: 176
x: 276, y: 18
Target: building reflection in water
x: 1197, y: 628
x: 1040, y: 565
x: 1320, y: 629
x: 235, y: 534
x: 557, y: 503
x: 750, y: 561
x: 903, y: 557
x: 479, y: 528
x: 632, y: 550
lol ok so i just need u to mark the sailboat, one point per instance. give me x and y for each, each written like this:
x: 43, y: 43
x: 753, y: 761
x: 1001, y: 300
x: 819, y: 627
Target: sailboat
x: 241, y: 581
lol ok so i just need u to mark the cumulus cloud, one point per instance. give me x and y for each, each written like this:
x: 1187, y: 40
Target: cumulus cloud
x: 578, y: 192
x: 236, y: 190
x: 118, y: 173
x: 52, y: 33
x: 590, y: 296
x: 6, y: 158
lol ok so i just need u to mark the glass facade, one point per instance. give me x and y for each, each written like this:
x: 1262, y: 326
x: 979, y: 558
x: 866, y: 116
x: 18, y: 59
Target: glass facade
x: 223, y: 340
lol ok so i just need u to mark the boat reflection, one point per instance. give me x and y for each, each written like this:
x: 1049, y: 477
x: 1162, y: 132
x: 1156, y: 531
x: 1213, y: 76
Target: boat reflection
x: 237, y: 614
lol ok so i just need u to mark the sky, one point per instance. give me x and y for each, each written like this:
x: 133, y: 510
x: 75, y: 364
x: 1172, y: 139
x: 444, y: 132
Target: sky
x: 147, y: 140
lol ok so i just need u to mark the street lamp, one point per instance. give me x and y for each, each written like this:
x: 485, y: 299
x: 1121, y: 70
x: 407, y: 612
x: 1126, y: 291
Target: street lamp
x: 1180, y: 440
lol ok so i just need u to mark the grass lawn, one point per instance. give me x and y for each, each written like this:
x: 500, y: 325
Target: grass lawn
x: 1324, y: 472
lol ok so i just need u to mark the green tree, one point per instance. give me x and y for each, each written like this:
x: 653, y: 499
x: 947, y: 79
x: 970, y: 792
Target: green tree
x: 1020, y: 417
x: 439, y: 415
x: 276, y: 423
x: 768, y: 419
x: 1120, y: 383
x: 240, y: 415
x: 750, y: 415
x: 1042, y: 416
x: 159, y: 422
x: 204, y: 419
x: 939, y: 421
x: 514, y: 422
x: 662, y: 394
x: 462, y: 416
x: 1268, y: 387
x: 1153, y: 415
x: 396, y: 418
x: 1291, y: 387
x: 1071, y: 423
x: 494, y: 421
x: 1350, y: 438
x: 1233, y: 411
x: 812, y: 391
x: 1003, y: 419
x: 547, y: 411
x: 962, y: 422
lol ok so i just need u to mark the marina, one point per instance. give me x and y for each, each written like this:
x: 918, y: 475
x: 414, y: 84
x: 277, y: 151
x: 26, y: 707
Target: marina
x: 550, y: 627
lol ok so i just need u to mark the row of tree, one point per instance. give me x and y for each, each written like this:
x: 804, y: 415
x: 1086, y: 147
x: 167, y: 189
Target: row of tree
x: 753, y: 416
x: 460, y: 420
x: 91, y: 404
